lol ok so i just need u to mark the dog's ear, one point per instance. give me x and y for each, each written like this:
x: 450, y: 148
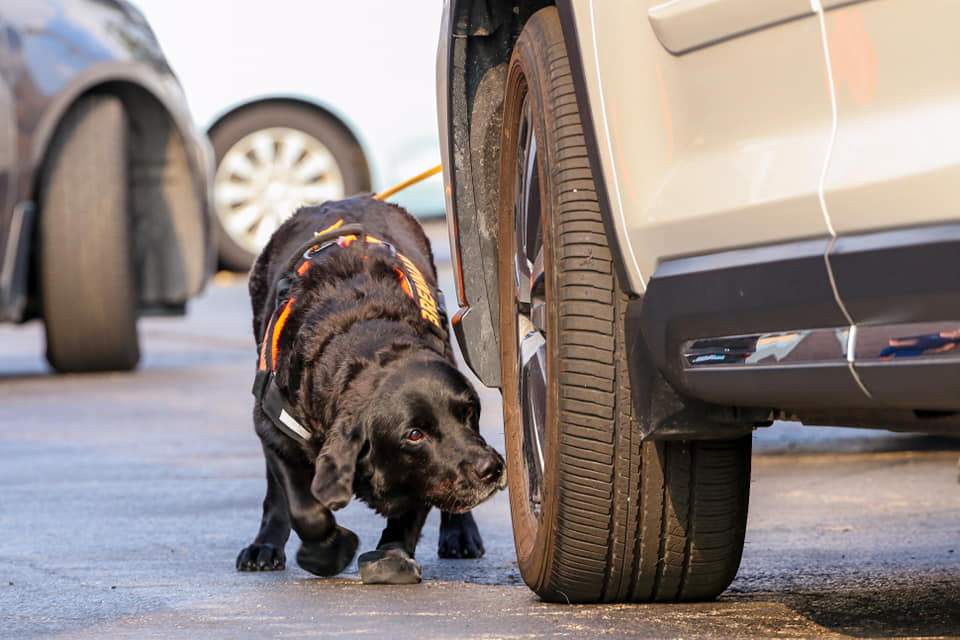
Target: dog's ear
x: 336, y: 464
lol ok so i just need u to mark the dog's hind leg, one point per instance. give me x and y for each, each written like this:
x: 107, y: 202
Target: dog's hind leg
x: 266, y: 552
x: 459, y: 536
x: 392, y: 562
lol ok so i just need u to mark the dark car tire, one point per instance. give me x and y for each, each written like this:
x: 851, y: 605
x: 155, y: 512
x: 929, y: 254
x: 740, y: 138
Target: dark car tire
x: 345, y: 150
x: 87, y: 280
x: 606, y: 517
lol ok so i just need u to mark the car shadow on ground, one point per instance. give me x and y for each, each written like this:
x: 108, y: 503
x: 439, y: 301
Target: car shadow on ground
x: 918, y: 604
x: 799, y: 440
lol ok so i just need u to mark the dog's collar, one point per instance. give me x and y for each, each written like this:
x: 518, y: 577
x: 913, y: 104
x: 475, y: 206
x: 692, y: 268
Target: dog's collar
x: 430, y: 302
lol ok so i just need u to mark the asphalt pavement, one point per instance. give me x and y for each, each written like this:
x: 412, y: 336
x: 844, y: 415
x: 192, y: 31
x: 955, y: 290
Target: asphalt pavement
x: 124, y: 499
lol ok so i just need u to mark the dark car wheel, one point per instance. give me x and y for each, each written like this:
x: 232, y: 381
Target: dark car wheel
x: 598, y: 514
x: 271, y: 159
x: 87, y: 281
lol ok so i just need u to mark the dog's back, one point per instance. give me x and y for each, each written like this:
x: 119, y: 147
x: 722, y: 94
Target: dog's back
x: 382, y: 220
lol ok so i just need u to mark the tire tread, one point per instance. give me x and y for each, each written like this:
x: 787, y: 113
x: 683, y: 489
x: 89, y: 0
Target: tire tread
x: 633, y: 520
x: 88, y: 296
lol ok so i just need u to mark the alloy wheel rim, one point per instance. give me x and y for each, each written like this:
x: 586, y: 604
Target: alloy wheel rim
x: 530, y: 297
x: 265, y: 176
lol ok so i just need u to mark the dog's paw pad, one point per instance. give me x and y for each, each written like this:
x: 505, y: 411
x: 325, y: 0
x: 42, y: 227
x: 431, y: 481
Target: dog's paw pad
x: 388, y: 566
x: 262, y: 557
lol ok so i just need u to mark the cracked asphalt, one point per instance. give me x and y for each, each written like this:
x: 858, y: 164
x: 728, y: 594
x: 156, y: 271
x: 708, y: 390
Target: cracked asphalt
x: 124, y: 499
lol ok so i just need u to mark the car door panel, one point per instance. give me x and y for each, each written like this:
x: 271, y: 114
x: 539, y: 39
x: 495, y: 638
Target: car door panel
x: 896, y: 157
x: 716, y: 149
x: 684, y: 25
x: 891, y: 191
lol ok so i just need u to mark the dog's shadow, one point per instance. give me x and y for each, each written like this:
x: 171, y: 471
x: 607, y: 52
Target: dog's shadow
x: 486, y: 570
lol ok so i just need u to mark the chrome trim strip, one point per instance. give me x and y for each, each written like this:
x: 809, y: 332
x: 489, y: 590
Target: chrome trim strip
x: 783, y: 347
x: 852, y: 345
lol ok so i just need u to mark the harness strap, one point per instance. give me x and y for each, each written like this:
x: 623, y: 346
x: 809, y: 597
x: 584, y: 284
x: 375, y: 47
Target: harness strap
x: 276, y: 407
x: 430, y: 302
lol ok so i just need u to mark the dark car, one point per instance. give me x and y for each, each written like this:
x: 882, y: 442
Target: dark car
x: 104, y: 180
x: 675, y: 221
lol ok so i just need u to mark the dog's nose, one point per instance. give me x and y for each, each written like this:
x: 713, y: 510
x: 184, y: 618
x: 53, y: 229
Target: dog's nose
x: 490, y: 468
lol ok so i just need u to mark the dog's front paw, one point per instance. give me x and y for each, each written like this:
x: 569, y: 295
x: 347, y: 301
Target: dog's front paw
x: 390, y: 565
x: 331, y: 556
x: 262, y: 557
x: 459, y: 537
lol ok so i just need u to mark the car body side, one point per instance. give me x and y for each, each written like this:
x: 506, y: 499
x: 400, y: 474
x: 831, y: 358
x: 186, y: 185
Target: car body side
x: 54, y: 52
x: 770, y: 174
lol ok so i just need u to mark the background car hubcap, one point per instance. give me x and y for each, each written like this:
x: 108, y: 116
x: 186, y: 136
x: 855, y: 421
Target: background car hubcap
x: 531, y: 305
x: 265, y: 176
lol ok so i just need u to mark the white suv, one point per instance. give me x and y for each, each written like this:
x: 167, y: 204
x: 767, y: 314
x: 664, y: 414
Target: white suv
x: 673, y: 222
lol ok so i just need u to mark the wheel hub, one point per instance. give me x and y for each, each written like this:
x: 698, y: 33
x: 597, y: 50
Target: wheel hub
x: 530, y: 286
x: 265, y: 176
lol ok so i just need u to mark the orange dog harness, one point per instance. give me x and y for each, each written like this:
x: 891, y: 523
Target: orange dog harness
x: 411, y: 280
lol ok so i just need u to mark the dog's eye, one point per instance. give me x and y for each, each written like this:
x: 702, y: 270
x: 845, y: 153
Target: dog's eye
x: 414, y: 435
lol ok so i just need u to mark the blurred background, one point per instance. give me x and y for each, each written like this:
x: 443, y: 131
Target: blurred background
x: 301, y: 108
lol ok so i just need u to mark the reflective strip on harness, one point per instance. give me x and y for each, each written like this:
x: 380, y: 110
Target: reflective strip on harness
x: 277, y: 330
x: 294, y: 426
x: 424, y: 298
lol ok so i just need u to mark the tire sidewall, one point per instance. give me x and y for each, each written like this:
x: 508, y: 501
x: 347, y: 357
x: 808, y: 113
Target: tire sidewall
x: 533, y: 542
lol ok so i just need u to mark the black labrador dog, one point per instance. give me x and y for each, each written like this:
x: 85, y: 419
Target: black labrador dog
x: 357, y: 393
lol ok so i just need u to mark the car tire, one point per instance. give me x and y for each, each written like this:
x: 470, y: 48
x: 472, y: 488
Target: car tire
x: 87, y: 280
x: 599, y: 515
x: 253, y: 193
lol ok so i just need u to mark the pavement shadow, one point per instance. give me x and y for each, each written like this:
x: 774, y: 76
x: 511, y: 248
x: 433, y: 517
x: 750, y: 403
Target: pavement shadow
x: 918, y: 606
x: 887, y: 442
x: 24, y: 373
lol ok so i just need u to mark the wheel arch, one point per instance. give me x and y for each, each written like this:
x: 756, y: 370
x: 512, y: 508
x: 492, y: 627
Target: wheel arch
x: 478, y: 40
x: 168, y: 186
x: 320, y: 109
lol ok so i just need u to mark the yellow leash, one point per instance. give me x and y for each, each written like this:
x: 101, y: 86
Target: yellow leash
x: 406, y: 183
